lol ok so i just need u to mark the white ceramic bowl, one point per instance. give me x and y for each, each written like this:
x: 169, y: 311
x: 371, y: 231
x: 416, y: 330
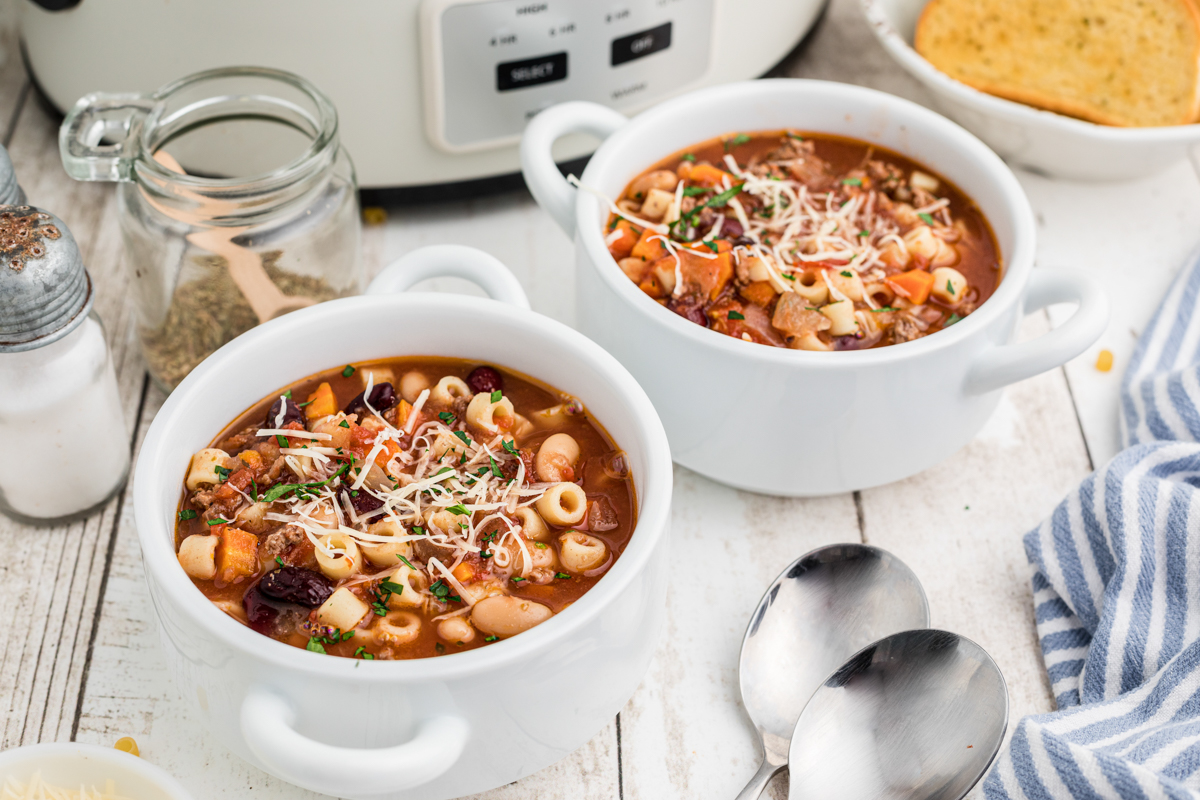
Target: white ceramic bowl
x: 793, y: 422
x: 1041, y: 140
x: 426, y: 728
x: 71, y: 765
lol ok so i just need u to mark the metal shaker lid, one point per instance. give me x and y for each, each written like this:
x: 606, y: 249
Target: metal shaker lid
x: 45, y: 292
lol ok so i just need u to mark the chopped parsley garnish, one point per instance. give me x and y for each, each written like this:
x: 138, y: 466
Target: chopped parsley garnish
x: 463, y: 436
x: 441, y: 648
x: 741, y: 138
x: 279, y: 561
x: 440, y: 589
x: 281, y: 439
x: 254, y: 488
x: 305, y: 403
x: 795, y: 136
x: 217, y: 521
x: 407, y: 563
x: 736, y: 315
x: 953, y: 319
x: 495, y: 468
x: 613, y: 223
x: 717, y: 201
x: 288, y: 394
x: 864, y: 233
x: 926, y: 218
x: 417, y: 531
x: 852, y: 181
x: 490, y: 638
x: 447, y: 418
x: 561, y: 575
x: 497, y: 396
x: 362, y: 653
x: 458, y: 508
x: 689, y: 157
x: 509, y: 447
x: 348, y: 371
x: 692, y: 191
x: 518, y: 579
x: 540, y: 545
x: 949, y: 287
x: 789, y: 277
x: 392, y: 587
x: 344, y: 423
x: 187, y: 513
x: 881, y: 310
x: 280, y: 489
x: 314, y: 645
x: 222, y: 473
x: 847, y: 273
x: 707, y: 243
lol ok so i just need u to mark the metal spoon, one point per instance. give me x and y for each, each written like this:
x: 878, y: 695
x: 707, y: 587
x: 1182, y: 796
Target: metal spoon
x: 826, y: 606
x: 917, y: 716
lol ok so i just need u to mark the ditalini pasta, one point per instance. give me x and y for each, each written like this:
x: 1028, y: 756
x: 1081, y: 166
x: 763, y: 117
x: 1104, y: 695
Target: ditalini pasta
x: 347, y: 518
x: 807, y: 241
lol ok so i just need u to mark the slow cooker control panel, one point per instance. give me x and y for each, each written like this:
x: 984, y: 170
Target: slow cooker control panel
x: 490, y: 65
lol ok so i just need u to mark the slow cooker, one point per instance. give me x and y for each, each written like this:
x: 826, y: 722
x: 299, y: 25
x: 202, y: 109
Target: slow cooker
x: 429, y: 92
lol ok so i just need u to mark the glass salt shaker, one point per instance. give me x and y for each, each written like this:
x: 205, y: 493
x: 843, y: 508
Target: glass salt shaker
x: 60, y: 414
x: 237, y: 204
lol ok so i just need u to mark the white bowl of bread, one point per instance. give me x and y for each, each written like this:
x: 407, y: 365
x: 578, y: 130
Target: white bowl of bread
x: 1093, y: 89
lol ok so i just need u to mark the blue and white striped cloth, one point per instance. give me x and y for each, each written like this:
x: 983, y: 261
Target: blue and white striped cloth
x: 1117, y: 595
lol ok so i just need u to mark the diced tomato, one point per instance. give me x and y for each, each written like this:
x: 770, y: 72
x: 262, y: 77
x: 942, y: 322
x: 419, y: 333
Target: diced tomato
x: 623, y: 246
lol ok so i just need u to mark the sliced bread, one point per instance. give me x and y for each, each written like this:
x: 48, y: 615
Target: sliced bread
x: 1115, y: 62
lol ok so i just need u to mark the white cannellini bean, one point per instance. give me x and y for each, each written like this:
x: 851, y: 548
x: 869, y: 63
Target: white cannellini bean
x: 412, y: 384
x: 504, y: 615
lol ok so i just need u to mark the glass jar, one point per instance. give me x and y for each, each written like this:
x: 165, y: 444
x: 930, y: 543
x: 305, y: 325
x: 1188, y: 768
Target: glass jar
x: 237, y: 204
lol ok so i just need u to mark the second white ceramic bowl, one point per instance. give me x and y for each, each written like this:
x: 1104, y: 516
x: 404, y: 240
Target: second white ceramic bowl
x: 70, y: 765
x: 1051, y: 143
x: 792, y: 422
x: 428, y: 728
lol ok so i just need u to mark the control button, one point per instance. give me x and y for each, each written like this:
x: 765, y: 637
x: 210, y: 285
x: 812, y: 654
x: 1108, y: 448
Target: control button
x: 637, y: 45
x: 531, y: 72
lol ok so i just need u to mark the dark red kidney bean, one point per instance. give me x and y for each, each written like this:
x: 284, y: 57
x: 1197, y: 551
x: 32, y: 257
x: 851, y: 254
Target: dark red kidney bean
x: 731, y: 229
x: 744, y: 241
x: 362, y: 500
x: 847, y: 343
x: 383, y: 397
x: 291, y: 413
x: 689, y: 310
x: 296, y: 585
x: 485, y: 379
x: 261, y: 611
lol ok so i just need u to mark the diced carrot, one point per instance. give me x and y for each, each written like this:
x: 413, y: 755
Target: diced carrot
x: 760, y: 293
x: 630, y: 233
x: 321, y: 403
x: 390, y: 448
x: 402, y: 412
x: 646, y: 249
x: 251, y: 458
x: 464, y: 572
x: 722, y: 245
x: 706, y: 276
x: 708, y: 175
x: 237, y: 554
x: 914, y: 285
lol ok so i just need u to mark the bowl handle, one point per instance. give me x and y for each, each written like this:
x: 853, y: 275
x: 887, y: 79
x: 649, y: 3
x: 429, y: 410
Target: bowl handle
x: 545, y: 182
x: 451, y: 260
x: 1010, y: 363
x: 267, y: 720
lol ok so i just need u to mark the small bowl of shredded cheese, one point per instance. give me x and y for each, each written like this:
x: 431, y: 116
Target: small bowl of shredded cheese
x: 72, y: 771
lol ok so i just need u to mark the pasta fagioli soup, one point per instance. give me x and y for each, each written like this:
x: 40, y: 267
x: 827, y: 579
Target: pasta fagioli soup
x: 404, y: 508
x: 804, y: 240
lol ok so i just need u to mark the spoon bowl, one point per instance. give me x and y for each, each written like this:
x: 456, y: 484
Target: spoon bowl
x: 919, y: 715
x: 826, y: 606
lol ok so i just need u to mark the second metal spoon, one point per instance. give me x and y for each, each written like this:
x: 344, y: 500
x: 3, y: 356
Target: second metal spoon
x: 825, y: 607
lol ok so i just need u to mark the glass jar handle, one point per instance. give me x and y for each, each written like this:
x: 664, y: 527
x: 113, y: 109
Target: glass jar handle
x: 95, y: 118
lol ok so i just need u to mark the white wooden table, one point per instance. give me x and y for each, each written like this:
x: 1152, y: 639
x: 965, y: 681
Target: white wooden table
x: 79, y: 653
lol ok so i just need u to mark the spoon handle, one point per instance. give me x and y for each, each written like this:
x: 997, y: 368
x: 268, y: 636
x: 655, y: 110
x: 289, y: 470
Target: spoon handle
x: 766, y: 771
